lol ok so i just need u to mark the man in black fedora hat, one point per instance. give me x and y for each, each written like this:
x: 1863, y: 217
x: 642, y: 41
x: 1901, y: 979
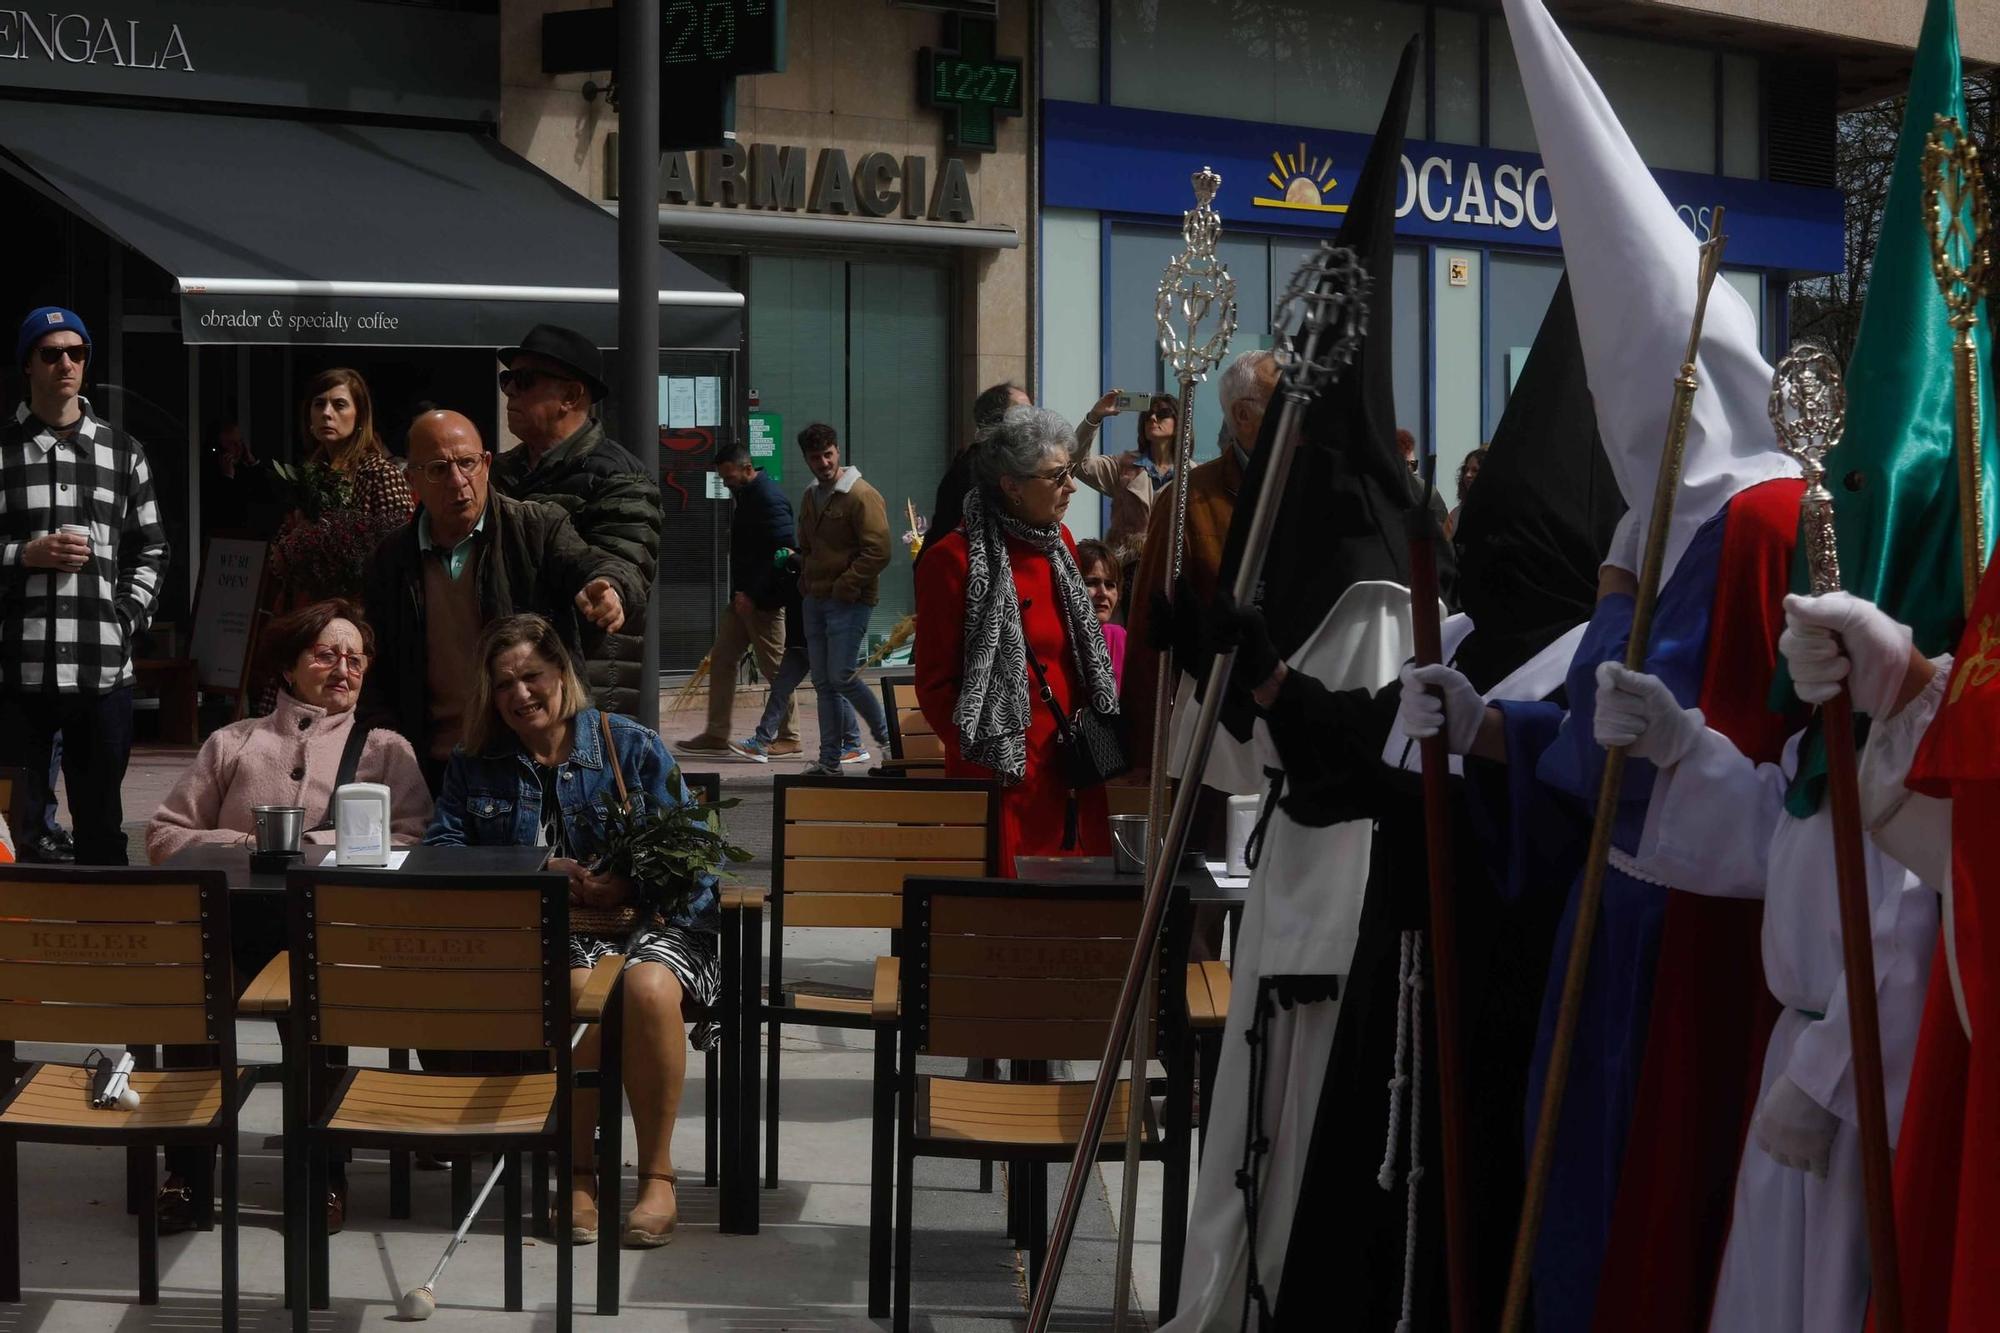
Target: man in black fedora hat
x: 553, y: 382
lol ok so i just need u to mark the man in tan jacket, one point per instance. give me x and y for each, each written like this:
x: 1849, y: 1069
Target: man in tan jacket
x: 843, y: 535
x: 1245, y: 390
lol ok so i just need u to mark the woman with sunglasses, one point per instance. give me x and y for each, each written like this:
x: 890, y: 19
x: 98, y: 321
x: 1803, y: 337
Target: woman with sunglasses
x: 1007, y: 643
x: 1134, y: 477
x: 308, y: 746
x: 339, y: 418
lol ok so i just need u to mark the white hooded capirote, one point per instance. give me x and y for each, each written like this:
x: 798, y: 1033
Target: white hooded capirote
x: 1633, y: 265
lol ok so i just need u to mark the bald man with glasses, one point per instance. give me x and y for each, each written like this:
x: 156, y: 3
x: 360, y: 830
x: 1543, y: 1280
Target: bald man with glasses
x: 468, y: 556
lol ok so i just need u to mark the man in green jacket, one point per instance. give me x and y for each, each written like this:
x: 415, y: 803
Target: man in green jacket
x: 553, y: 382
x: 843, y: 534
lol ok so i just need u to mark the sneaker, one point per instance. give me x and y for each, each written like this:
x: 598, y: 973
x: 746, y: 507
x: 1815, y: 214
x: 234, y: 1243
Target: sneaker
x: 820, y: 771
x: 703, y: 744
x: 752, y: 749
x: 855, y: 756
x: 782, y: 748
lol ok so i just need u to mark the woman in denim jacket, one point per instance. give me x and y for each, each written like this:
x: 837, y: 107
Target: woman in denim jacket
x: 533, y: 772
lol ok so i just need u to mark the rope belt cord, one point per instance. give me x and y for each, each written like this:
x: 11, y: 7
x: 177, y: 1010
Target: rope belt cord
x: 1407, y: 1080
x: 1255, y: 1146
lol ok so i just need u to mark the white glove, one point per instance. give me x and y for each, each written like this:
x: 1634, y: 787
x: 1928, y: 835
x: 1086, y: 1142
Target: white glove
x: 1637, y: 711
x: 1422, y: 714
x: 1794, y: 1129
x: 1875, y: 645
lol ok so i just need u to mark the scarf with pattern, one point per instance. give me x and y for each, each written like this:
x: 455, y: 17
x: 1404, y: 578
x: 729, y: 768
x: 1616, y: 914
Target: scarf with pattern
x: 996, y: 697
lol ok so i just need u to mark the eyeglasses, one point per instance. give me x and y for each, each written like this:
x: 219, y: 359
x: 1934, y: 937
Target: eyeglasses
x: 439, y: 470
x: 1163, y: 414
x: 328, y: 658
x: 526, y: 378
x: 77, y: 352
x: 1060, y: 476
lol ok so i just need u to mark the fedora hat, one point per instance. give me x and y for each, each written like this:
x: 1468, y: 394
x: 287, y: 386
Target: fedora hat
x: 568, y: 349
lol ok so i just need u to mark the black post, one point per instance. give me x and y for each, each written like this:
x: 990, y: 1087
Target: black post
x: 639, y: 287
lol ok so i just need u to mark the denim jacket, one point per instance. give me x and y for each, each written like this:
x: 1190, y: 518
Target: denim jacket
x: 495, y: 799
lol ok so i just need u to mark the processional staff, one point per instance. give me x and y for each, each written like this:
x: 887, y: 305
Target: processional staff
x: 1961, y: 261
x: 1809, y: 412
x: 1590, y: 894
x: 1195, y: 292
x: 1328, y: 297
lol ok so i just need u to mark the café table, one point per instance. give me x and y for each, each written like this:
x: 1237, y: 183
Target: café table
x: 741, y: 948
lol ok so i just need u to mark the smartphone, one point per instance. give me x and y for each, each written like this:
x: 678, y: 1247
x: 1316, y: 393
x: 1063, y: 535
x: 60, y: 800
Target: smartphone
x: 1126, y: 402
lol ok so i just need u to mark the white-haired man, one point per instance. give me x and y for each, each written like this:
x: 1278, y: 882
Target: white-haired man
x: 1245, y: 389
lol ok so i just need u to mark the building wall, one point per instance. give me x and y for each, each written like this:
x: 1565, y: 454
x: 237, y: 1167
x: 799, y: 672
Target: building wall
x: 849, y: 82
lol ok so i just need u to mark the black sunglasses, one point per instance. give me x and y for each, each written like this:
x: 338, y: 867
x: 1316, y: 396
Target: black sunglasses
x: 1163, y: 414
x: 77, y: 352
x: 526, y: 378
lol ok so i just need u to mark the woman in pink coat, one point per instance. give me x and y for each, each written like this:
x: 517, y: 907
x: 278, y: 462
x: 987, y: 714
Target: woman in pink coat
x: 296, y: 756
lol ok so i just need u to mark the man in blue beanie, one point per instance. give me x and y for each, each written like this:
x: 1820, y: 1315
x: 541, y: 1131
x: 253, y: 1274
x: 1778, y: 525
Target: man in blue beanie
x: 82, y: 556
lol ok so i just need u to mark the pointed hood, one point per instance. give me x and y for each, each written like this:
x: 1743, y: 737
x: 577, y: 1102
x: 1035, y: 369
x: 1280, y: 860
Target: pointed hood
x: 1536, y: 523
x: 1341, y: 520
x: 1632, y: 265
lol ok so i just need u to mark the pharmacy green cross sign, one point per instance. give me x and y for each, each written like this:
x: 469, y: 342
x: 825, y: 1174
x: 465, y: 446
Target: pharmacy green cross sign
x: 969, y: 83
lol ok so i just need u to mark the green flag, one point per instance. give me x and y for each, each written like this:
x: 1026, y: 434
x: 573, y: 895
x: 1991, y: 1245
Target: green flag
x: 1894, y: 476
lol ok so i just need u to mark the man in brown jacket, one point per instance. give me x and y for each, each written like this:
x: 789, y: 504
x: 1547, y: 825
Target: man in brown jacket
x: 1245, y: 391
x: 843, y: 535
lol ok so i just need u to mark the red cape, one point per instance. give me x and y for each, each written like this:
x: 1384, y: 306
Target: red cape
x: 1711, y: 1011
x: 1948, y: 1181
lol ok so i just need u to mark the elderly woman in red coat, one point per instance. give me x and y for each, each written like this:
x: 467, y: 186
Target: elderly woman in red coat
x: 1001, y: 607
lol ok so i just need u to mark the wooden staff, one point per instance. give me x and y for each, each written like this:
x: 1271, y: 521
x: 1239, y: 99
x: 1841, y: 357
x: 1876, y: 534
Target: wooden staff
x: 1809, y: 409
x: 1590, y: 894
x: 1332, y: 288
x: 1960, y: 260
x: 1443, y: 929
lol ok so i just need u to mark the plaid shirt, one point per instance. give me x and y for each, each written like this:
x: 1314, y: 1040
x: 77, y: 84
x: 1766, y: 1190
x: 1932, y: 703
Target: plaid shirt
x: 73, y: 632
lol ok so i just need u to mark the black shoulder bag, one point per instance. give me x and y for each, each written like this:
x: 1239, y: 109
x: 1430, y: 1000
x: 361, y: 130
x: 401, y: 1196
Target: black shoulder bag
x: 1092, y: 745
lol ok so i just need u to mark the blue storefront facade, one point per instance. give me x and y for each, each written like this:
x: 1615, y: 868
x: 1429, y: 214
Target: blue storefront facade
x: 1281, y: 100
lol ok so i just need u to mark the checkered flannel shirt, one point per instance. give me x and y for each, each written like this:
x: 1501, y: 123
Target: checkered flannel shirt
x: 67, y: 632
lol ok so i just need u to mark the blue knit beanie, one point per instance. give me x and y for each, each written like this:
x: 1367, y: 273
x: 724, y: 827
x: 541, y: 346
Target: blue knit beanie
x: 42, y: 322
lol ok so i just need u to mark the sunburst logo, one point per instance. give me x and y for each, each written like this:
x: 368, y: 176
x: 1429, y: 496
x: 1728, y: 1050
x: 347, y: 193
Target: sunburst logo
x: 1302, y: 180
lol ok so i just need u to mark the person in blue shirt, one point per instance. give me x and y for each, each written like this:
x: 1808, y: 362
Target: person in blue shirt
x: 540, y: 766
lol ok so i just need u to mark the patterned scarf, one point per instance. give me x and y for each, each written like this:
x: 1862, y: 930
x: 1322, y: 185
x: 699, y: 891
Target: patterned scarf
x: 995, y: 696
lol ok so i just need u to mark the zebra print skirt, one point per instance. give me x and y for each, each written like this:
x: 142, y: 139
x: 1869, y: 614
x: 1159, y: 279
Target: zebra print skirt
x: 695, y: 958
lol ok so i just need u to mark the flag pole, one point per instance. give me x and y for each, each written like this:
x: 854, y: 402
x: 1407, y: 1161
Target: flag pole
x: 1331, y: 289
x: 1808, y: 409
x: 1960, y: 261
x: 1443, y: 925
x: 1196, y: 286
x: 1590, y: 893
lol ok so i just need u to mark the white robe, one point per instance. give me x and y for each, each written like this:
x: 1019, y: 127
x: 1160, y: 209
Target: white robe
x: 1797, y: 1257
x: 1302, y: 918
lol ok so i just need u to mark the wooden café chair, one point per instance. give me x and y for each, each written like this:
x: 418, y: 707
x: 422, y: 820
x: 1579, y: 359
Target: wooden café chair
x: 1006, y: 969
x: 479, y: 966
x: 110, y: 959
x: 915, y: 750
x: 841, y: 849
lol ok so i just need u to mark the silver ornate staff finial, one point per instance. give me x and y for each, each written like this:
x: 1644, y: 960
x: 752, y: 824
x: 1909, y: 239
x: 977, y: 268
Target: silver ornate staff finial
x: 1321, y: 319
x: 1195, y: 286
x: 1809, y: 413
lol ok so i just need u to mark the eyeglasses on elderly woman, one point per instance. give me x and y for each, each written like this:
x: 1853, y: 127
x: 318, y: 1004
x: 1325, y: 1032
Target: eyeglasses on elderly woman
x: 1060, y: 476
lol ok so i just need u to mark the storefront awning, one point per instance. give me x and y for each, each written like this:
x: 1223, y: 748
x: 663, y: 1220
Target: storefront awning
x: 293, y: 231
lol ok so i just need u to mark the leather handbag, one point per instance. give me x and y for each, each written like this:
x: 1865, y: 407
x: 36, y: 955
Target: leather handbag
x: 1092, y: 744
x: 608, y: 922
